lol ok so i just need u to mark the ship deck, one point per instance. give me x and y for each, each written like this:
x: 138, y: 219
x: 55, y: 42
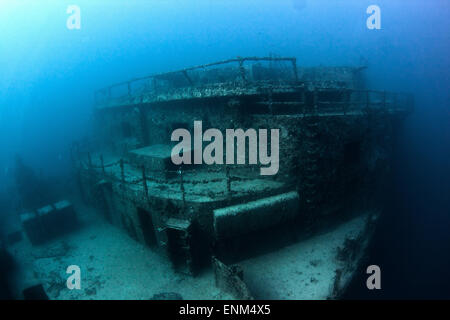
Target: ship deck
x: 204, y: 184
x: 278, y: 91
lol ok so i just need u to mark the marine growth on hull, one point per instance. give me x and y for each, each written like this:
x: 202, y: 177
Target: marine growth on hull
x: 229, y: 225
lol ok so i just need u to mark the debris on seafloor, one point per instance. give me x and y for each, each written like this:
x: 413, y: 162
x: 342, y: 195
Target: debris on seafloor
x: 230, y: 279
x: 49, y: 222
x: 349, y: 250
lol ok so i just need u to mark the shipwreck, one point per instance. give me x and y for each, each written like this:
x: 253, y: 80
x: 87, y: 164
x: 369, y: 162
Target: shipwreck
x: 335, y: 147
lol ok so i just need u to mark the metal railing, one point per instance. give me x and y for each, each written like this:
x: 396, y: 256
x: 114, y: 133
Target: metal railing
x: 142, y: 178
x: 352, y: 100
x: 328, y: 101
x: 106, y: 94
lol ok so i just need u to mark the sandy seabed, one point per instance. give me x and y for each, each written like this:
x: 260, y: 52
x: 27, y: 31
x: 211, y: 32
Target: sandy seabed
x: 114, y: 266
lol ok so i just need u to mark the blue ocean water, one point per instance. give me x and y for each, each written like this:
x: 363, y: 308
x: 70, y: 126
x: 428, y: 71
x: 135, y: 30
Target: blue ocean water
x: 48, y: 74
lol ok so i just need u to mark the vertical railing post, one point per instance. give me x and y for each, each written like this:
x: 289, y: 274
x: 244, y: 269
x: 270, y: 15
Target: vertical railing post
x: 242, y: 69
x: 188, y: 78
x: 270, y: 100
x: 315, y: 100
x: 227, y: 172
x: 144, y: 181
x: 294, y: 66
x: 304, y: 102
x: 183, y: 192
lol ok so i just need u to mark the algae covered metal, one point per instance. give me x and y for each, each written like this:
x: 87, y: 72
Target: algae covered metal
x: 335, y: 142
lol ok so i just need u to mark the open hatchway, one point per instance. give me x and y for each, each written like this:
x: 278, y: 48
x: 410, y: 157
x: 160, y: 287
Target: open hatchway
x: 148, y: 228
x: 179, y: 245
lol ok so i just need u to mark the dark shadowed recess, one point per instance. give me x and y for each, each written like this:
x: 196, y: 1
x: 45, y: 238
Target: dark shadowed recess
x: 412, y: 243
